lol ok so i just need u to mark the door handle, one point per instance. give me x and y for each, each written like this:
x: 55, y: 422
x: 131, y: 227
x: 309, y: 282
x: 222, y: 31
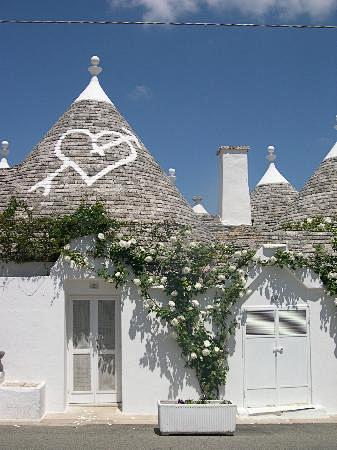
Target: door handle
x: 278, y: 349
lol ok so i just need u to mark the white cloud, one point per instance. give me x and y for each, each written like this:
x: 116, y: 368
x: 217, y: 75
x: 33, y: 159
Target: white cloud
x: 173, y: 9
x: 140, y: 92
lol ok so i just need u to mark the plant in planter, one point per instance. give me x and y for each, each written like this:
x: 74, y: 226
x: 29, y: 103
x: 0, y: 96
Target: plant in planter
x: 197, y: 417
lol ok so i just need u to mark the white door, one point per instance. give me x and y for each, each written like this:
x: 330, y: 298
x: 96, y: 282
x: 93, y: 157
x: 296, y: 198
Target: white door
x: 276, y: 357
x: 92, y: 351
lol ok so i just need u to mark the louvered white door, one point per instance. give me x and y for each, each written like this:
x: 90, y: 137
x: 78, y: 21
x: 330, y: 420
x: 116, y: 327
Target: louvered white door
x: 276, y: 357
x: 92, y: 355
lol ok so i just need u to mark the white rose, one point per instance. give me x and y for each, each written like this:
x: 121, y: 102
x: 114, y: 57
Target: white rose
x: 101, y: 236
x: 198, y: 286
x: 203, y: 313
x: 67, y: 258
x: 195, y: 303
x: 133, y: 241
x: 122, y: 244
x: 186, y: 270
x: 171, y: 304
x: 216, y: 349
x: 328, y: 220
x: 188, y: 288
x: 249, y: 291
x: 207, y: 343
x: 193, y: 244
x: 187, y: 232
x: 244, y: 252
x: 231, y: 268
x: 221, y: 277
x: 163, y: 280
x: 174, y: 322
x: 136, y: 281
x: 152, y: 251
x: 117, y: 274
x: 321, y: 226
x: 119, y: 235
x: 174, y: 294
x: 241, y: 295
x: 173, y: 239
x: 209, y: 307
x: 148, y: 259
x: 193, y: 355
x: 309, y: 220
x: 67, y: 247
x: 237, y: 253
x: 181, y: 318
x: 205, y: 352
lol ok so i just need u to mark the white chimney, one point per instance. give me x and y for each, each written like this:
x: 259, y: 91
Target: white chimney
x: 234, y: 198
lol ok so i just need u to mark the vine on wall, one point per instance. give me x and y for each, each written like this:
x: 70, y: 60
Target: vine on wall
x: 166, y: 257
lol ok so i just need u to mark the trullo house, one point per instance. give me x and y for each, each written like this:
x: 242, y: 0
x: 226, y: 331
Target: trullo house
x: 78, y: 339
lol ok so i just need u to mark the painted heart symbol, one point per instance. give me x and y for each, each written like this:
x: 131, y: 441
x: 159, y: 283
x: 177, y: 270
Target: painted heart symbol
x: 126, y: 137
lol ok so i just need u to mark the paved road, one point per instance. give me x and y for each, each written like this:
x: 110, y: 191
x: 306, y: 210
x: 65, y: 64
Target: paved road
x: 141, y: 437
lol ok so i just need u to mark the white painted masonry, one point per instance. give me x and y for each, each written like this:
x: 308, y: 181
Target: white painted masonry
x: 234, y: 198
x: 282, y: 288
x: 149, y: 366
x: 332, y: 153
x: 272, y: 176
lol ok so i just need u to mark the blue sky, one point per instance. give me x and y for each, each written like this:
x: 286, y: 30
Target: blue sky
x: 184, y: 91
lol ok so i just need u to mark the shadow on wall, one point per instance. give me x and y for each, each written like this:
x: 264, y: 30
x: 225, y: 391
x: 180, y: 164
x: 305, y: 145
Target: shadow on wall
x: 161, y: 349
x: 281, y: 288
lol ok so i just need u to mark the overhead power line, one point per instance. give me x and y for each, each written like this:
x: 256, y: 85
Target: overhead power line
x: 182, y: 24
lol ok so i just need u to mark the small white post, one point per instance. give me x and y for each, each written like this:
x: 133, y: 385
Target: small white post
x: 4, y: 153
x: 172, y: 176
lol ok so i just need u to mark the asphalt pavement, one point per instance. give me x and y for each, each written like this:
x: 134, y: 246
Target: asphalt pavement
x: 139, y: 437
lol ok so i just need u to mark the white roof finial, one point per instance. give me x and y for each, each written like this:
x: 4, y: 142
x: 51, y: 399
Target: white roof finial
x: 271, y: 153
x: 94, y: 69
x: 272, y: 175
x: 333, y: 152
x: 94, y: 91
x: 198, y: 207
x: 4, y: 153
x: 172, y: 175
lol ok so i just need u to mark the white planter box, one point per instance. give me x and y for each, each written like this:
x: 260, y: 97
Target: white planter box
x: 22, y: 401
x: 209, y: 418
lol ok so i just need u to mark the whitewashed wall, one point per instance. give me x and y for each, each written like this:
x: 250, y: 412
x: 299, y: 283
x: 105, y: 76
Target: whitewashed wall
x: 33, y: 335
x: 279, y: 286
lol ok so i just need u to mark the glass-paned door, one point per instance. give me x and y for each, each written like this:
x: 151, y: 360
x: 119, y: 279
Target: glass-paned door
x: 277, y: 355
x: 92, y: 351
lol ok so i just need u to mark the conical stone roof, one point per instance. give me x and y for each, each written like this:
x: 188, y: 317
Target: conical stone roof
x: 272, y: 197
x: 319, y: 195
x: 91, y: 154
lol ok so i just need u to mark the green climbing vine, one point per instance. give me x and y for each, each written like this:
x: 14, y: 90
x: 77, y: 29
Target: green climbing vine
x: 163, y: 256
